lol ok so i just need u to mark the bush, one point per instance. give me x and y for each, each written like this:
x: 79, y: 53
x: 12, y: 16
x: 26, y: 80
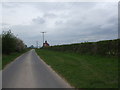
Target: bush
x: 10, y: 43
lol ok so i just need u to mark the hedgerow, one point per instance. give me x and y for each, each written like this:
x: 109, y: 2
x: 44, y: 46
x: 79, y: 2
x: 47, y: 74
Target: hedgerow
x: 106, y: 47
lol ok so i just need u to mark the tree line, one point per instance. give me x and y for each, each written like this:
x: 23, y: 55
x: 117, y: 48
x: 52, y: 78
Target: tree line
x: 104, y: 48
x: 10, y: 43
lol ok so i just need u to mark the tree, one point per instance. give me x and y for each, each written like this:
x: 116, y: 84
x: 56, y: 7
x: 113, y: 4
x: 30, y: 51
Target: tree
x: 19, y: 45
x: 10, y: 43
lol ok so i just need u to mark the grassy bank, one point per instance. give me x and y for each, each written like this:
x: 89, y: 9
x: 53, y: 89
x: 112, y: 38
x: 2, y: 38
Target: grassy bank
x: 83, y: 71
x: 9, y: 58
x: 0, y: 61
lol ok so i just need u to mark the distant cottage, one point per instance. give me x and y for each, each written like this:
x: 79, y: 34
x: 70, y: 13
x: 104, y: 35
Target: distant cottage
x: 46, y: 44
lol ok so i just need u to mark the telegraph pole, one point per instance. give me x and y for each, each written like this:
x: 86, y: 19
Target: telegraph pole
x: 43, y: 37
x: 36, y: 44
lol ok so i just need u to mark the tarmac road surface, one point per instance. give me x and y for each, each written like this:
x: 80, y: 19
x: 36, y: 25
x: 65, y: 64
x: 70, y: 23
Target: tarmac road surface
x: 29, y: 71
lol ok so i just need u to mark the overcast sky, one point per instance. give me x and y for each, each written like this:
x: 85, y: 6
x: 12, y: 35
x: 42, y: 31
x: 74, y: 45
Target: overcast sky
x: 65, y: 23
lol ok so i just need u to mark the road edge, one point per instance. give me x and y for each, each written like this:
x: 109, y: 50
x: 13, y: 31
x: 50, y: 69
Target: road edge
x: 56, y: 73
x: 7, y: 65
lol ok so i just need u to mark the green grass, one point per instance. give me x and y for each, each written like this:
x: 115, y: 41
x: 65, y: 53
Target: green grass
x: 6, y: 59
x: 0, y: 61
x: 83, y: 71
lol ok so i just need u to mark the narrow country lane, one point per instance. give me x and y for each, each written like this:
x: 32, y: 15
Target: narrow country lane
x: 29, y: 71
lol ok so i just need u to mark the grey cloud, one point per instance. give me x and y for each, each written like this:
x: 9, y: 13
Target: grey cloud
x: 70, y: 23
x: 11, y: 4
x: 39, y: 20
x: 4, y: 24
x: 50, y: 15
x: 52, y: 6
x: 59, y: 22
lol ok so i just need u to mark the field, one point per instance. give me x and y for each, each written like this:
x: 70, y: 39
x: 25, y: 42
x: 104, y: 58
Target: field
x: 83, y: 71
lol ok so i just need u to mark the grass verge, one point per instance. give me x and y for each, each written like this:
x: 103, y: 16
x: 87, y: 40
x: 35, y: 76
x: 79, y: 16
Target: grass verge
x: 6, y: 59
x: 83, y: 71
